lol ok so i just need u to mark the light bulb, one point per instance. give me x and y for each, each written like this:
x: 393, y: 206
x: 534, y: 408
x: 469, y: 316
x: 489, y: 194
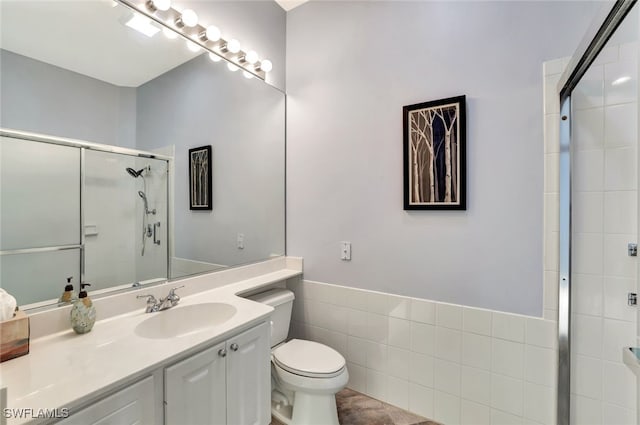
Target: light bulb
x: 232, y: 67
x: 247, y: 75
x: 266, y: 65
x: 188, y: 18
x: 214, y: 57
x: 192, y: 46
x: 159, y: 5
x: 233, y: 45
x: 169, y: 33
x: 212, y: 33
x: 251, y: 57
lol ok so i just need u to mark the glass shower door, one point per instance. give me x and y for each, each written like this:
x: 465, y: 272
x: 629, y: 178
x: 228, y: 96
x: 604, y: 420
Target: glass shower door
x: 604, y: 221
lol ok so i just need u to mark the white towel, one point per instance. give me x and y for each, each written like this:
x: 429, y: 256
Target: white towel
x: 7, y: 305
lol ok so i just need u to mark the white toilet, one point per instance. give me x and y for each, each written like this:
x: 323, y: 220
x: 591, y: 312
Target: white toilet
x: 305, y: 375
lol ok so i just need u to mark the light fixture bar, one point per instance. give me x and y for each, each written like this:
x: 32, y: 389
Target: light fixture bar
x: 167, y: 19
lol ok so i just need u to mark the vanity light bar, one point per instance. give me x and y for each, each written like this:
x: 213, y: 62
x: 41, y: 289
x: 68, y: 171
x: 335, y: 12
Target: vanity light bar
x: 229, y: 50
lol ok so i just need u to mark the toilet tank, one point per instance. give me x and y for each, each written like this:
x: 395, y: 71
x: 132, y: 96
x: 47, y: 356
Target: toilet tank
x: 282, y: 301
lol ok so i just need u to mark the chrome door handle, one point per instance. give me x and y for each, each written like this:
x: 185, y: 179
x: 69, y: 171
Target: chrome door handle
x: 156, y: 226
x: 222, y: 352
x: 234, y: 347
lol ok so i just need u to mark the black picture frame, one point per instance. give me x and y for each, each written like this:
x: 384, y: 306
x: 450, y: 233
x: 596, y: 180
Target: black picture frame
x: 200, y: 190
x: 434, y: 155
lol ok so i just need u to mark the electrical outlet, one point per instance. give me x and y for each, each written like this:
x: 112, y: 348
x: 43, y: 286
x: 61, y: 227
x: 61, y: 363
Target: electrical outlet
x: 240, y: 240
x: 345, y: 251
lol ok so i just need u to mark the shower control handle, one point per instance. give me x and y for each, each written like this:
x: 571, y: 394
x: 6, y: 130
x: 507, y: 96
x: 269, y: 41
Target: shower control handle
x: 156, y: 239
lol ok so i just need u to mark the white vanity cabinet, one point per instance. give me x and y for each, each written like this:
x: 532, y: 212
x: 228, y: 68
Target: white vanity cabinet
x: 135, y: 404
x: 249, y: 377
x: 228, y: 383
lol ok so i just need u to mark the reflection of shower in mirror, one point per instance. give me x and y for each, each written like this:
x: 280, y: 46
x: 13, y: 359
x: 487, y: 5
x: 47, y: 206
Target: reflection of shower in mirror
x: 146, y: 227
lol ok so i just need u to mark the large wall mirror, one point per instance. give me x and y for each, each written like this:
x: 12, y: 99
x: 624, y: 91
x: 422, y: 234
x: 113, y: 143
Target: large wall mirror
x: 121, y: 208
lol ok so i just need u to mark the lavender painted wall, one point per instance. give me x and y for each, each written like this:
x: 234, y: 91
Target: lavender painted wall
x: 351, y: 66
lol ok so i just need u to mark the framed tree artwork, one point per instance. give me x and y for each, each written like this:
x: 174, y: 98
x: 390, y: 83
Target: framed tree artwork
x: 200, y: 178
x: 435, y: 155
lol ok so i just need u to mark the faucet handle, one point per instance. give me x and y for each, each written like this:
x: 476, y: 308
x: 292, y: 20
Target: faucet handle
x: 150, y: 298
x: 152, y: 303
x: 172, y: 293
x: 174, y: 298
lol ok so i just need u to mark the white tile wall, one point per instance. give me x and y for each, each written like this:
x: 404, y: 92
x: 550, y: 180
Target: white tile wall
x: 588, y: 170
x: 450, y: 363
x: 476, y: 321
x: 587, y: 201
x: 590, y: 134
x: 590, y: 94
x: 586, y: 411
x: 476, y: 351
x: 590, y: 298
x: 398, y: 392
x: 421, y: 400
x: 474, y: 413
x: 626, y: 92
x: 618, y: 132
x: 620, y: 165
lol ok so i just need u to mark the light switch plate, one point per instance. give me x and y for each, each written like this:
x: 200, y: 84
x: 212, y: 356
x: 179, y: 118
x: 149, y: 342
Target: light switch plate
x: 345, y: 251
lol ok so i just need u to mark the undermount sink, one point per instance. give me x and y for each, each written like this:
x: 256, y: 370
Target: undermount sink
x: 181, y: 321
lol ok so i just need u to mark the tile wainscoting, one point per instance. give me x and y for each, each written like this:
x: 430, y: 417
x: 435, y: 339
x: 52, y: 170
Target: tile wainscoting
x: 451, y: 363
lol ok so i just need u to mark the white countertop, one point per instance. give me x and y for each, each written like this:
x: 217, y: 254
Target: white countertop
x: 65, y: 369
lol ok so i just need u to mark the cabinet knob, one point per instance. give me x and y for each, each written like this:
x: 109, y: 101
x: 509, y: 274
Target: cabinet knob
x: 222, y: 352
x: 234, y: 347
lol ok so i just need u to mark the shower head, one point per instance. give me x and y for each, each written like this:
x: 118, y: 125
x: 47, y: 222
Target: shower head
x: 143, y: 196
x: 146, y: 205
x: 133, y: 173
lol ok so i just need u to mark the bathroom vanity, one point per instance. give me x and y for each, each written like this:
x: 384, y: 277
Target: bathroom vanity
x: 138, y: 367
x: 225, y: 383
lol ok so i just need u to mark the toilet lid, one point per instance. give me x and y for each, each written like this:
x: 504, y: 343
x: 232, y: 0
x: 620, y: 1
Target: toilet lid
x: 309, y: 358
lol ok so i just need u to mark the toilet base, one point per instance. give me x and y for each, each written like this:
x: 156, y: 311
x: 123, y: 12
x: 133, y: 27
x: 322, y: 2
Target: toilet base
x: 281, y: 412
x: 308, y: 409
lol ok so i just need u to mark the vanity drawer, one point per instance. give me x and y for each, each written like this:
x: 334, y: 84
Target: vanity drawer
x: 132, y: 405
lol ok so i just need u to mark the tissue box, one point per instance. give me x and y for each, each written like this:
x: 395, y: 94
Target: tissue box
x: 14, y: 337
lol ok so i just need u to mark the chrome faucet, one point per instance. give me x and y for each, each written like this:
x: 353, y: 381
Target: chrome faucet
x: 169, y: 301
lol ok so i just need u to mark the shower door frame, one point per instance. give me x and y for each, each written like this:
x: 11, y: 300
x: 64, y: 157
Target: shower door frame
x: 605, y: 24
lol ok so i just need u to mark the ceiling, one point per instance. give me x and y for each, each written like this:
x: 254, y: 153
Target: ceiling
x: 88, y: 37
x: 290, y: 4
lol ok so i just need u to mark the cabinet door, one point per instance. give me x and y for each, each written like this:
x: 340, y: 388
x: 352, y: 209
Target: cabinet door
x: 194, y: 389
x: 249, y: 377
x: 132, y: 405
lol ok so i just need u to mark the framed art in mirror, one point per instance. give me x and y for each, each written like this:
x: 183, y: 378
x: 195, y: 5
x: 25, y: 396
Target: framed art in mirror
x: 200, y: 178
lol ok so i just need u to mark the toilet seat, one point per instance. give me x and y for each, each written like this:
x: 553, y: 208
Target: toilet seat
x: 309, y: 359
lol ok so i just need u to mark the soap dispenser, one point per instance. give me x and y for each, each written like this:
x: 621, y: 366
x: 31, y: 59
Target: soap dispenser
x: 83, y: 313
x: 68, y: 296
